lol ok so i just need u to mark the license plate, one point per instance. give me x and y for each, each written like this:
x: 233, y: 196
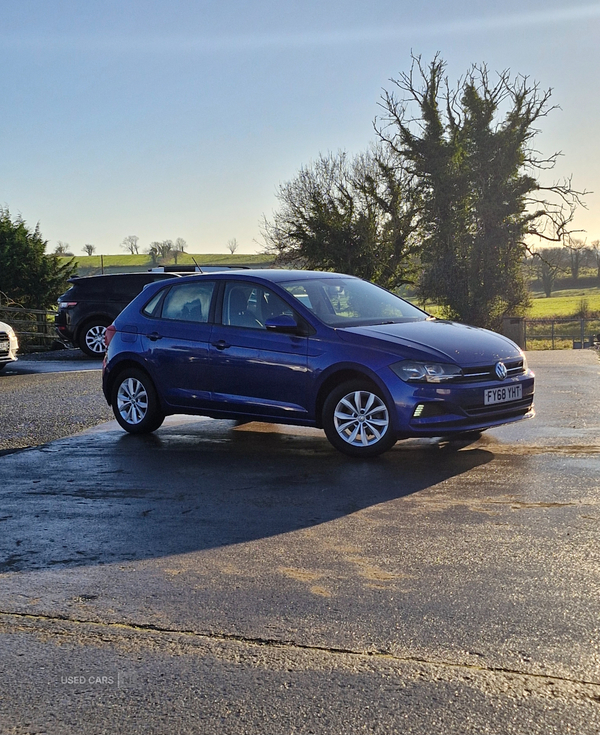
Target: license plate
x: 504, y: 394
x: 4, y: 346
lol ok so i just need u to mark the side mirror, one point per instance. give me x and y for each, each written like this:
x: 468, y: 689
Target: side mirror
x: 282, y: 323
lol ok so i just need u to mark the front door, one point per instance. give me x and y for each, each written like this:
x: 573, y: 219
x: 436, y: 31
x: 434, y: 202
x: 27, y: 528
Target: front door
x: 257, y: 371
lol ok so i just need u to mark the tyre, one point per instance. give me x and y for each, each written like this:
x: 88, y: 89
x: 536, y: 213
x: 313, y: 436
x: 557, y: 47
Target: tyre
x: 357, y: 420
x: 135, y: 402
x: 91, y: 338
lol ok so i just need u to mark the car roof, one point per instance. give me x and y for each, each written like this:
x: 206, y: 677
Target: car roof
x: 122, y: 276
x: 276, y: 275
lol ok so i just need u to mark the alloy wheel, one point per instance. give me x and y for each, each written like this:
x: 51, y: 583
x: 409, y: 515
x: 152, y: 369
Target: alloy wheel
x: 132, y: 401
x: 94, y: 339
x: 361, y: 418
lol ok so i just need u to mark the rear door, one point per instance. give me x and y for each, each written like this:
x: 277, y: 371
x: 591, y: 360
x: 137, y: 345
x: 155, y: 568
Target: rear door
x: 176, y: 342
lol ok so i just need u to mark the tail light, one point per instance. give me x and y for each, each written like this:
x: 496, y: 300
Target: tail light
x: 109, y: 334
x: 66, y: 304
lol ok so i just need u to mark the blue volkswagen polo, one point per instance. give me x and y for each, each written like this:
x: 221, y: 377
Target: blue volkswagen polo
x: 312, y: 349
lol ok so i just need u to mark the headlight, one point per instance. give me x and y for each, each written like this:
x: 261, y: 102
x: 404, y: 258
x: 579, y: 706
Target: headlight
x: 412, y: 371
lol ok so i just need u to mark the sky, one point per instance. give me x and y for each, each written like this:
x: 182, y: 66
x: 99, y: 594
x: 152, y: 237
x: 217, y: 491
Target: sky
x: 180, y: 118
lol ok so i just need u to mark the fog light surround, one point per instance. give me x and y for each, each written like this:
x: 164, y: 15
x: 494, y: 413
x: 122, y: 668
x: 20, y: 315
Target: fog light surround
x: 429, y: 410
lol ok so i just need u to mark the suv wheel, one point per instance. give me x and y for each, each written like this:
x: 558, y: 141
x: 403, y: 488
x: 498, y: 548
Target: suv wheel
x: 357, y: 420
x: 135, y: 402
x: 91, y: 339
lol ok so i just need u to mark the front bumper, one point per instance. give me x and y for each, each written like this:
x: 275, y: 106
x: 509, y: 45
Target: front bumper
x: 8, y: 348
x: 440, y: 410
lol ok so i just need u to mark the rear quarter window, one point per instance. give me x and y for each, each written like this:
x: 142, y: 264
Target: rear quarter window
x: 186, y: 302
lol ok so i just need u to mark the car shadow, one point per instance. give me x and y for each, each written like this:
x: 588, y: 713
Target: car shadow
x: 108, y: 497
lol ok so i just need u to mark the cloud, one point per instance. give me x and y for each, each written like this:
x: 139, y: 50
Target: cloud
x: 199, y: 44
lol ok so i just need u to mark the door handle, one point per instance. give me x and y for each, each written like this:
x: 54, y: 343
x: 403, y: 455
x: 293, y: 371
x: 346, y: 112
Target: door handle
x: 154, y: 336
x: 221, y: 344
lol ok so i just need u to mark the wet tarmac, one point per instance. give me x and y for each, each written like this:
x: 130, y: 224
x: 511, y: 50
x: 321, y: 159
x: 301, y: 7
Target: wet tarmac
x: 250, y: 579
x: 53, y: 361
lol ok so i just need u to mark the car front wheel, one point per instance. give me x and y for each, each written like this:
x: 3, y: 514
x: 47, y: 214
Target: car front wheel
x: 357, y: 420
x: 135, y: 403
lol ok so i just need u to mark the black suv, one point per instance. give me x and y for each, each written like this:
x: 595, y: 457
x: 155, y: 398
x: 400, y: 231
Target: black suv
x: 93, y: 302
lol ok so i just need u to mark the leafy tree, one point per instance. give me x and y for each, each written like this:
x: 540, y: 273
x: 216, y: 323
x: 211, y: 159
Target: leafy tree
x: 160, y: 250
x: 452, y: 194
x: 154, y: 252
x: 89, y: 249
x: 28, y: 276
x: 130, y: 244
x: 353, y: 216
x: 165, y: 248
x: 470, y: 153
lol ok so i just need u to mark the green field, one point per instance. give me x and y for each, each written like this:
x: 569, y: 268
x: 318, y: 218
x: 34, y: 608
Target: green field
x: 564, y: 303
x: 94, y: 264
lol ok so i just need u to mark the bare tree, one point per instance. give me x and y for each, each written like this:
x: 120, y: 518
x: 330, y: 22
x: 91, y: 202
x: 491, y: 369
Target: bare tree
x: 130, y: 244
x: 595, y: 252
x: 179, y: 247
x: 62, y: 248
x: 577, y: 250
x: 232, y: 245
x: 89, y: 249
x: 548, y: 263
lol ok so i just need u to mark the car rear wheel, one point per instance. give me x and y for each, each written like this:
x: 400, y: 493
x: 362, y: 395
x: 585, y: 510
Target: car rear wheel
x: 357, y: 420
x: 91, y: 339
x: 135, y: 402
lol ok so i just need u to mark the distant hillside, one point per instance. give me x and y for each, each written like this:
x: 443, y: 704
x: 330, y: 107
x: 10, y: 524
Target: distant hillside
x: 91, y: 265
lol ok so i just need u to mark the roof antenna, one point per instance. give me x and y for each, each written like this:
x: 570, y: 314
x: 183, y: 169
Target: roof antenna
x: 196, y: 264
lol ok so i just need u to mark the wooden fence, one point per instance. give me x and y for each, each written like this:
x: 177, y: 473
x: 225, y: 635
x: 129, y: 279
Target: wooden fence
x: 34, y: 327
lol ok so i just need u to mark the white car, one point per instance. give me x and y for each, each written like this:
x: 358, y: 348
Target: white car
x: 8, y: 345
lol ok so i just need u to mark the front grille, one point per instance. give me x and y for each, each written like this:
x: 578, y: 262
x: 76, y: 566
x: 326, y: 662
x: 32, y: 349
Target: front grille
x: 501, y: 410
x: 487, y: 372
x: 4, y: 340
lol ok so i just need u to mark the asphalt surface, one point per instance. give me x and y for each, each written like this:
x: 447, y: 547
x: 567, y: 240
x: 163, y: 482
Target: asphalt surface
x: 221, y: 579
x: 48, y: 396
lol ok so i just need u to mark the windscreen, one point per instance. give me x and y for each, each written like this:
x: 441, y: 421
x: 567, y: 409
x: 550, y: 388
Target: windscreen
x: 351, y: 302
